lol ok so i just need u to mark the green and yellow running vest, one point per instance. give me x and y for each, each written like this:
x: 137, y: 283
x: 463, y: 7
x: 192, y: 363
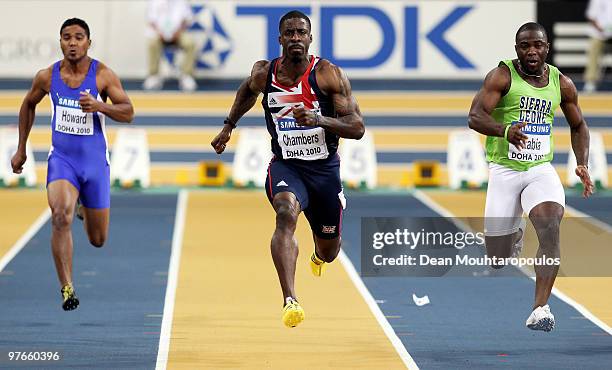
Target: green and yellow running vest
x: 534, y: 105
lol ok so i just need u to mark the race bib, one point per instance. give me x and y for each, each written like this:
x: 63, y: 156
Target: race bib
x: 537, y: 145
x: 300, y: 142
x: 73, y: 121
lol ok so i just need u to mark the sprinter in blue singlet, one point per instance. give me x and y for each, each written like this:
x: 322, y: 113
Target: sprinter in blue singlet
x: 78, y: 163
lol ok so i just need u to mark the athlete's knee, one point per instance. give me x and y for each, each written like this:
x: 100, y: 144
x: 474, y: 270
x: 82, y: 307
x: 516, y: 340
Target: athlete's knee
x: 328, y: 255
x: 61, y: 217
x: 328, y: 250
x: 546, y: 225
x: 286, y: 215
x: 547, y: 228
x: 546, y: 216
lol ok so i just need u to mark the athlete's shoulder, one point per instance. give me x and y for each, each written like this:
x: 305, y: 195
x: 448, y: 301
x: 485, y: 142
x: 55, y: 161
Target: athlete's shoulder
x: 565, y: 81
x: 567, y: 89
x: 330, y: 77
x: 42, y: 79
x: 499, y: 79
x: 45, y: 73
x: 260, y: 67
x: 262, y: 64
x: 502, y: 71
x: 260, y: 70
x: 325, y: 66
x: 105, y: 76
x: 259, y: 76
x: 103, y: 70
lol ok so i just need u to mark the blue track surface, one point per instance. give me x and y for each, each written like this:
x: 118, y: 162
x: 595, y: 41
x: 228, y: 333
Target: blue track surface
x: 599, y: 205
x: 121, y: 288
x: 472, y: 323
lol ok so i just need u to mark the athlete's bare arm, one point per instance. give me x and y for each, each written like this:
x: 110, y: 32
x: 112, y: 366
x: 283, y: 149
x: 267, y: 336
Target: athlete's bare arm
x: 333, y: 82
x: 245, y: 99
x: 109, y: 86
x: 578, y: 129
x: 496, y: 84
x: 40, y: 87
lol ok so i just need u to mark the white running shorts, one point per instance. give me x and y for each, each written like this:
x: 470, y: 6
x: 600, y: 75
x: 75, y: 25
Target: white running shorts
x: 511, y: 192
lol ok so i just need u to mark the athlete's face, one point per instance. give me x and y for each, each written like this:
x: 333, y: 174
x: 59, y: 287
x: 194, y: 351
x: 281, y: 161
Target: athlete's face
x: 74, y: 42
x: 295, y: 38
x: 532, y: 49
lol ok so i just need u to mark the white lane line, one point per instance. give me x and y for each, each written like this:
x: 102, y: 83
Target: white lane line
x: 590, y: 219
x: 380, y: 317
x: 175, y: 258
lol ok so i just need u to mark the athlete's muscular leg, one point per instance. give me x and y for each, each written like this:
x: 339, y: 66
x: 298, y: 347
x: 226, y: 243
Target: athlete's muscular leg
x: 284, y: 244
x: 327, y: 249
x: 501, y: 246
x: 62, y: 196
x: 546, y: 218
x: 96, y: 225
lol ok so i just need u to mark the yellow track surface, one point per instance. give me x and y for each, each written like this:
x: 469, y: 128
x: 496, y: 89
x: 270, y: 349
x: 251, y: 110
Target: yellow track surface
x: 20, y: 208
x: 369, y: 102
x: 219, y: 322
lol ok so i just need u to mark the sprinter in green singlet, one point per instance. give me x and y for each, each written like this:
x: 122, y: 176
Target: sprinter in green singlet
x: 515, y: 108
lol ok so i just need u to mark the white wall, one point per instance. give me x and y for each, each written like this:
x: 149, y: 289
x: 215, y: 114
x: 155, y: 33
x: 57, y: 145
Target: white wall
x: 482, y: 35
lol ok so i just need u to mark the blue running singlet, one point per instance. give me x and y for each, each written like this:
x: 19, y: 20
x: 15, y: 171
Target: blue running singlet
x: 79, y: 151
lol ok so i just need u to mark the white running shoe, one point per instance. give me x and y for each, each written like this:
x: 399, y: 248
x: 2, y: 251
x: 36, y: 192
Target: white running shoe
x: 187, y: 83
x: 541, y: 319
x: 153, y: 82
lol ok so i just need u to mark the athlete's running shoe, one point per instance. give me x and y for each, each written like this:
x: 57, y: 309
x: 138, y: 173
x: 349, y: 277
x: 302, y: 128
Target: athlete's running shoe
x: 71, y: 301
x: 541, y: 319
x: 317, y: 265
x: 293, y: 314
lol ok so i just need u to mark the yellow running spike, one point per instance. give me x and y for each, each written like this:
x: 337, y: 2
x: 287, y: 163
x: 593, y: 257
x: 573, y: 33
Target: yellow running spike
x: 317, y: 265
x: 70, y: 300
x: 293, y: 314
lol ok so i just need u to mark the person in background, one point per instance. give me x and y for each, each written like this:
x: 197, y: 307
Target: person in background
x: 599, y: 15
x: 168, y: 21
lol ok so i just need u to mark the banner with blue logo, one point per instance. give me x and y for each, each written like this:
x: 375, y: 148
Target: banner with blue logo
x: 373, y: 39
x: 377, y: 39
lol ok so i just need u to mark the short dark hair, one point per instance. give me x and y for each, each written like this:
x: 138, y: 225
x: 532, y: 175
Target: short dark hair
x: 531, y: 26
x: 78, y: 22
x: 294, y: 14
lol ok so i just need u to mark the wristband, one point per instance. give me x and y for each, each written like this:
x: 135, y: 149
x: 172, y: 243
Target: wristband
x: 506, y: 132
x: 228, y: 121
